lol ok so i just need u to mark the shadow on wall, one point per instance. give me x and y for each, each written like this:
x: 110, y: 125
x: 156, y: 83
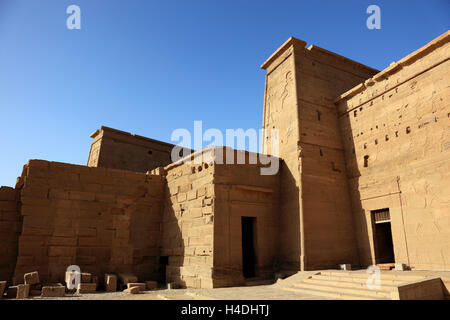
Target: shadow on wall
x: 103, y: 220
x: 145, y: 232
x: 10, y: 228
x: 360, y: 222
x: 131, y: 228
x: 290, y: 247
x: 173, y: 245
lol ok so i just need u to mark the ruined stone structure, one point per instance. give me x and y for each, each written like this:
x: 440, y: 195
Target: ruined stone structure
x: 365, y: 166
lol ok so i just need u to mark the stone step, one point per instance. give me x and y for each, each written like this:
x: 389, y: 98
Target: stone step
x: 388, y: 282
x: 383, y: 275
x: 378, y: 293
x: 347, y: 284
x: 329, y: 294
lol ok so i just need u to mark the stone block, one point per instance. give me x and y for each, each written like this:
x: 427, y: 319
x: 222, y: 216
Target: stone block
x: 345, y: 266
x: 151, y: 285
x: 132, y: 290
x: 31, y: 278
x: 20, y: 291
x: 110, y: 282
x: 87, y: 288
x: 141, y: 286
x: 53, y: 291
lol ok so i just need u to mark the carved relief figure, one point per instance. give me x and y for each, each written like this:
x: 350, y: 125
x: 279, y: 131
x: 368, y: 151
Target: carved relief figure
x: 289, y: 79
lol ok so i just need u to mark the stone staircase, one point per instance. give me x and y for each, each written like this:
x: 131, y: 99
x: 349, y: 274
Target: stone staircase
x: 351, y: 285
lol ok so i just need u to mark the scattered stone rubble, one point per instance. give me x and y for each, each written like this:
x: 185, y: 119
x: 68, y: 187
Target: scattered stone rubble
x: 32, y: 287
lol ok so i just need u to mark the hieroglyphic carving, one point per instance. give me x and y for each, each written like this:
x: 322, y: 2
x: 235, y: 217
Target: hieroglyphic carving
x: 287, y: 88
x: 279, y: 91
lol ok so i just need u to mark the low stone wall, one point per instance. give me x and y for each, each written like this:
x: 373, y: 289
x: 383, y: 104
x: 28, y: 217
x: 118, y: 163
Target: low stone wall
x: 10, y: 227
x: 103, y: 220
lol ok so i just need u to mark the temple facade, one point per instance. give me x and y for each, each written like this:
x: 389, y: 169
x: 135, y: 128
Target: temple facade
x: 363, y: 179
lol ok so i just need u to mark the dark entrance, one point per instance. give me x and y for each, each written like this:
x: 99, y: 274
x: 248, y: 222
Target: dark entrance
x: 163, y: 263
x: 248, y: 246
x: 384, y: 246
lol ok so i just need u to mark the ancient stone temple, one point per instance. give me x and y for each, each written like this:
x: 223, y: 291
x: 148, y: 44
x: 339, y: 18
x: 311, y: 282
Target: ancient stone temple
x: 363, y: 179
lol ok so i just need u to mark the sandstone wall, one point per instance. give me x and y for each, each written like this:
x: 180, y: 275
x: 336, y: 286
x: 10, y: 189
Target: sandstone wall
x: 117, y: 149
x: 399, y: 121
x: 327, y: 220
x: 10, y: 227
x: 280, y: 113
x: 315, y: 204
x: 103, y: 220
x: 205, y: 202
x: 241, y: 191
x: 188, y: 224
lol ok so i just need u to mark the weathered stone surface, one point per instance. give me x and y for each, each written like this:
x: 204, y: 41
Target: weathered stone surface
x: 132, y: 290
x: 395, y: 126
x: 110, y: 282
x: 53, y: 291
x: 361, y: 152
x: 20, y: 291
x: 141, y: 286
x: 120, y: 150
x: 87, y: 213
x: 31, y: 278
x: 87, y: 288
x: 86, y: 277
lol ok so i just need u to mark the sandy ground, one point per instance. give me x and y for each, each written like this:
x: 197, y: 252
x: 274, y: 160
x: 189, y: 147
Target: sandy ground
x: 262, y: 292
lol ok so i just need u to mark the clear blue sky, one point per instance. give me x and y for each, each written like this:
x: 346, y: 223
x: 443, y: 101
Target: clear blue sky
x: 149, y: 67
